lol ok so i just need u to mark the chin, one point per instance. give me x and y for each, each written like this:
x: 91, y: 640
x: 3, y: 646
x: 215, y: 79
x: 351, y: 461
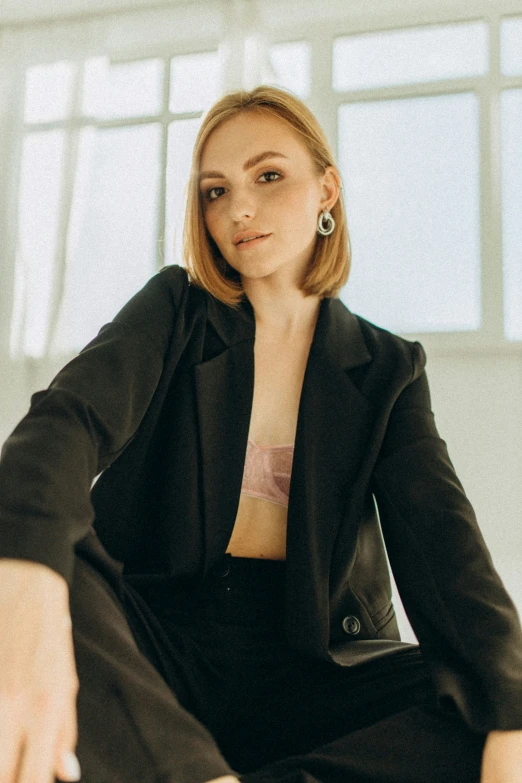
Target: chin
x: 260, y: 268
x: 258, y: 274
x: 255, y: 270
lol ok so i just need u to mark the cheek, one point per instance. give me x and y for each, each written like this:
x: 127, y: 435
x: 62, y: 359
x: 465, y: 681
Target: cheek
x: 212, y: 222
x: 299, y: 205
x: 300, y: 194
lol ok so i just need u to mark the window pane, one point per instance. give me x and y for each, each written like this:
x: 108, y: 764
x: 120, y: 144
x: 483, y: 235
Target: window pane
x: 111, y: 244
x: 511, y: 106
x: 291, y: 64
x: 419, y: 54
x: 195, y: 81
x: 48, y: 92
x: 511, y: 46
x: 114, y: 90
x: 38, y: 216
x: 182, y: 135
x: 411, y: 176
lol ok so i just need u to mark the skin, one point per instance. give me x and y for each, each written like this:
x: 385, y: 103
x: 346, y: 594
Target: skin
x: 282, y: 196
x: 38, y: 680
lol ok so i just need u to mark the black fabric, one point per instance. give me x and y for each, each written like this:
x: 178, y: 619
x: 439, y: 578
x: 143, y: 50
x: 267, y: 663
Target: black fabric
x: 158, y: 406
x: 187, y: 679
x: 131, y: 726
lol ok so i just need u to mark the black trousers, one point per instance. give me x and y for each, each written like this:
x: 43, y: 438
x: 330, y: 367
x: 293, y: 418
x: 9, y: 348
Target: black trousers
x: 185, y: 680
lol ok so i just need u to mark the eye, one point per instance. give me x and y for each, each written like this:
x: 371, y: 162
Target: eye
x: 213, y: 193
x: 272, y: 176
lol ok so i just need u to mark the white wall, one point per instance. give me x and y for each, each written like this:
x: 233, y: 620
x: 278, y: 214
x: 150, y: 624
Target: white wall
x: 478, y: 407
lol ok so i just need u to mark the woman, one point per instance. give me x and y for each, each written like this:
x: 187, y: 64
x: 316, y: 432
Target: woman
x: 232, y: 613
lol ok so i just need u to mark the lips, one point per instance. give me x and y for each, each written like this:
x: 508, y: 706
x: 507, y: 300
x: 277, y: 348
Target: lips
x: 242, y: 241
x: 243, y: 247
x: 243, y: 237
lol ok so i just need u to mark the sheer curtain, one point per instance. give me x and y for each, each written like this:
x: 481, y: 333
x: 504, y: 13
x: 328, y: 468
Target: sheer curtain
x: 97, y: 120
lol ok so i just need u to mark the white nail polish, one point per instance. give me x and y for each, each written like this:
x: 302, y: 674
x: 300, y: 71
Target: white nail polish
x: 71, y: 766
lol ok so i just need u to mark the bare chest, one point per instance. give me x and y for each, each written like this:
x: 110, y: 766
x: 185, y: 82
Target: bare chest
x: 260, y: 526
x: 278, y: 380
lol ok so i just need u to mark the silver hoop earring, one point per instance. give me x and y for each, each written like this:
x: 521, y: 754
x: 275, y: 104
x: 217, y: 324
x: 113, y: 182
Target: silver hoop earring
x: 325, y: 230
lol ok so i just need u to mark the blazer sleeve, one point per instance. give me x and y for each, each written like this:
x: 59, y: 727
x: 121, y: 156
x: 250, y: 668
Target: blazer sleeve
x: 79, y: 425
x: 466, y: 623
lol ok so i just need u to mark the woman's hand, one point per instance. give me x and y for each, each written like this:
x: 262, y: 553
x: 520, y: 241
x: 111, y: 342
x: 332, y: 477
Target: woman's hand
x: 38, y: 680
x: 502, y: 758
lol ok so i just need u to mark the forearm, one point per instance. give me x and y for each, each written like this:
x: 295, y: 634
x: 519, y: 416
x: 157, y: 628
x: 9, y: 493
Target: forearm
x: 502, y: 757
x: 72, y: 431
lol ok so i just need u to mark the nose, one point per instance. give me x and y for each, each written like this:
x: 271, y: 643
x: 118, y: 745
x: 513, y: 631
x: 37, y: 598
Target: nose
x: 241, y: 206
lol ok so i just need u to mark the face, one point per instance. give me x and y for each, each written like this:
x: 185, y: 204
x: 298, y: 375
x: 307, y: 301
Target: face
x: 258, y: 183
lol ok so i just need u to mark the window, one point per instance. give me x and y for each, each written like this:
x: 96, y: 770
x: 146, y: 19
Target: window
x: 511, y: 46
x: 511, y: 108
x: 102, y: 168
x: 292, y: 66
x: 420, y: 54
x: 511, y: 145
x: 425, y: 121
x: 411, y: 169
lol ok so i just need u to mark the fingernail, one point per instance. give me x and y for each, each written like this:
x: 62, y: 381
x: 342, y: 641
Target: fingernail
x: 71, y: 766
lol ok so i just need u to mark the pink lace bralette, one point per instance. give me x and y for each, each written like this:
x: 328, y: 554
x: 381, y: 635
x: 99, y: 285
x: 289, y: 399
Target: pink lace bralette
x: 267, y: 472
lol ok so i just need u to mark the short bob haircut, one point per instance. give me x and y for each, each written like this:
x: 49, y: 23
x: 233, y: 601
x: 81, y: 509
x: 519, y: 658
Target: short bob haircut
x: 330, y: 263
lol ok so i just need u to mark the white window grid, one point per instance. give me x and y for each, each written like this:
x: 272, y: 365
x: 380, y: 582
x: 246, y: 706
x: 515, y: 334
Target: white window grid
x: 324, y: 102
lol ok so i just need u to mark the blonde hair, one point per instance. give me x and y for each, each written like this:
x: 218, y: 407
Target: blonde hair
x: 330, y: 263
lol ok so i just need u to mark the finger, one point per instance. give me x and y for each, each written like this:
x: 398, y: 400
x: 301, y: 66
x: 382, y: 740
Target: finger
x: 38, y: 759
x: 66, y: 764
x: 10, y: 759
x: 11, y: 740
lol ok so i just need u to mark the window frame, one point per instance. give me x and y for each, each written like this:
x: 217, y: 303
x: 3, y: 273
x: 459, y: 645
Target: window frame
x: 324, y: 102
x: 489, y: 339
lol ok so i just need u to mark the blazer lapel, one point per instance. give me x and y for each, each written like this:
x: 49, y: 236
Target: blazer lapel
x: 224, y: 389
x: 333, y: 424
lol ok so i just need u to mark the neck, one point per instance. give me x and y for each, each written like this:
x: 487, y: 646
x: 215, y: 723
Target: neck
x: 288, y: 311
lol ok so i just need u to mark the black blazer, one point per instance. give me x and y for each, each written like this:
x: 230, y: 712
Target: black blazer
x: 159, y: 404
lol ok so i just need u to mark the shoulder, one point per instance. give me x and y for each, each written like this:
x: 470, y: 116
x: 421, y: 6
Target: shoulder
x: 391, y: 350
x: 379, y: 363
x: 164, y: 299
x: 170, y: 285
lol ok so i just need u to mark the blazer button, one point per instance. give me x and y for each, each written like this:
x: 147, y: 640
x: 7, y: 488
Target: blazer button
x: 223, y: 570
x: 351, y: 625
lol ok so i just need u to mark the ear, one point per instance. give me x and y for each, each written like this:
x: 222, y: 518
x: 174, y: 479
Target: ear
x: 330, y: 187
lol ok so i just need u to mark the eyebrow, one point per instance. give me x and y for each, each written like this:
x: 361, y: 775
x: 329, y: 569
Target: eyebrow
x: 250, y: 163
